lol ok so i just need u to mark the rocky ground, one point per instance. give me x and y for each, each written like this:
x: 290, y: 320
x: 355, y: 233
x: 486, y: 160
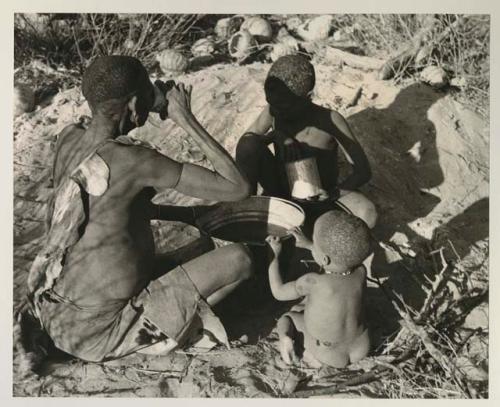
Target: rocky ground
x: 430, y: 161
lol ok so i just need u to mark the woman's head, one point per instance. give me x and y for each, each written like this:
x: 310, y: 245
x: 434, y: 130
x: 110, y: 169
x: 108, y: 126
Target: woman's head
x: 119, y: 87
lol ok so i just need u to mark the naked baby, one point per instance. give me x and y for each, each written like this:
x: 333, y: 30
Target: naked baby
x: 329, y: 323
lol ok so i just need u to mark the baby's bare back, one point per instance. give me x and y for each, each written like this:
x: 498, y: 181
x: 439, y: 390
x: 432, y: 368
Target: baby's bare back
x: 334, y: 308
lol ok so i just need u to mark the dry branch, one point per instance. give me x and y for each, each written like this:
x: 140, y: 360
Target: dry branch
x: 419, y: 49
x: 446, y: 364
x: 335, y: 56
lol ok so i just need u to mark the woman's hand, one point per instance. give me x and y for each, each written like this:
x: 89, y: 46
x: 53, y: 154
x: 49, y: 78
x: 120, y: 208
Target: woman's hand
x: 179, y: 102
x: 289, y: 148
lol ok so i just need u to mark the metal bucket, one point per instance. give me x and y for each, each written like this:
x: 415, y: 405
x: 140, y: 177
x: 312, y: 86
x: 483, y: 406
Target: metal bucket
x: 303, y: 178
x: 252, y: 219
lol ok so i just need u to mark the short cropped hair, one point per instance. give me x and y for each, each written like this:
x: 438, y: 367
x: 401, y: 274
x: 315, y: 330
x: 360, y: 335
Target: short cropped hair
x: 295, y: 72
x: 113, y: 77
x: 345, y: 238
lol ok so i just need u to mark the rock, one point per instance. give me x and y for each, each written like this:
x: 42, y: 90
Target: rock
x: 400, y: 239
x: 259, y: 27
x: 172, y: 62
x: 416, y: 151
x: 317, y: 28
x: 477, y: 318
x: 343, y: 34
x: 129, y: 44
x: 24, y: 99
x: 434, y: 76
x: 459, y: 82
x: 203, y: 47
x: 242, y: 44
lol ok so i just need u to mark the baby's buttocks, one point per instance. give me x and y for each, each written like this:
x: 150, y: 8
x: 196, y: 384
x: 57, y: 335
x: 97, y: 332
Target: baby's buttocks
x: 335, y: 354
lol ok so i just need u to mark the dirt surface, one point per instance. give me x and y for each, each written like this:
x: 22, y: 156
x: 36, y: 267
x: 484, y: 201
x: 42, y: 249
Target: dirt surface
x: 430, y: 182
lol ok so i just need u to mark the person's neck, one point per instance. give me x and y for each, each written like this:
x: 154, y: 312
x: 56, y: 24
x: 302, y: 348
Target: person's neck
x: 102, y: 128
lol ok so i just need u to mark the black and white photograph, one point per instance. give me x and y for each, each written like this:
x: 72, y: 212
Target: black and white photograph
x: 251, y: 205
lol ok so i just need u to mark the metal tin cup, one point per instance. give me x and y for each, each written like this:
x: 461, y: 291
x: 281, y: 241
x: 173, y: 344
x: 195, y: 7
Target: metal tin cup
x: 303, y: 178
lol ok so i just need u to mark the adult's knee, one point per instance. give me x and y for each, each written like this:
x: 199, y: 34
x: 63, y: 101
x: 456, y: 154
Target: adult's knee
x: 248, y: 144
x: 369, y: 213
x: 242, y: 257
x: 361, y: 207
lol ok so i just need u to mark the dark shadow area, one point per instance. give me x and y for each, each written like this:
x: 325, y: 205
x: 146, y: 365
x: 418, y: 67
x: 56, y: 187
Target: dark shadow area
x: 400, y: 142
x: 251, y: 309
x: 464, y: 229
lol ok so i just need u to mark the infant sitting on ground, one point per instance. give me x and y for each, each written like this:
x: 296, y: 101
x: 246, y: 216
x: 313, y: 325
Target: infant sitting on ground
x: 329, y: 324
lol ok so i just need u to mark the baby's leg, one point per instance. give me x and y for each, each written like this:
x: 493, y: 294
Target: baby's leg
x: 360, y: 347
x: 258, y: 163
x: 287, y: 328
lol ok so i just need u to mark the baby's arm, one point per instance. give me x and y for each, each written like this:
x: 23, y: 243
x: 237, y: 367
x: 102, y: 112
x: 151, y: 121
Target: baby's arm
x: 293, y: 289
x: 281, y: 291
x: 301, y: 240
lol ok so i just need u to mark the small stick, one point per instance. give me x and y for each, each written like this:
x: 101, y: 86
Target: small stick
x: 354, y: 100
x: 454, y: 250
x: 373, y: 375
x: 446, y: 364
x: 171, y: 373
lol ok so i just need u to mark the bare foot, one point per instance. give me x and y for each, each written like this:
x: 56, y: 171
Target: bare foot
x: 287, y: 351
x: 160, y: 348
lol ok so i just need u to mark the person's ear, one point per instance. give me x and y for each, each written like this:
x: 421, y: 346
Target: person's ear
x: 326, y: 260
x: 132, y: 106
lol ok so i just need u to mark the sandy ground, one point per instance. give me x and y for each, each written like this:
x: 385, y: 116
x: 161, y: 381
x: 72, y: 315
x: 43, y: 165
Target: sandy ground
x: 430, y: 182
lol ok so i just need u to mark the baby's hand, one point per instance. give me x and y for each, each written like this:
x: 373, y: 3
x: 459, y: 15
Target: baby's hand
x: 274, y: 243
x: 300, y: 239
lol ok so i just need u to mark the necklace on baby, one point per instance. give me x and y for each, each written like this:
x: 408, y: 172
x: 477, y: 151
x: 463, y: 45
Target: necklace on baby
x: 345, y: 273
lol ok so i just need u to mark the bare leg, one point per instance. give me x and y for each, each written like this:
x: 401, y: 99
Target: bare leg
x: 165, y: 262
x: 186, y: 214
x: 287, y: 326
x: 258, y: 163
x: 217, y: 273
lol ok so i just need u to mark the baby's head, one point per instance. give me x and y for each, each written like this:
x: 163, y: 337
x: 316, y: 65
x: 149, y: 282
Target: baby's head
x: 341, y: 241
x: 289, y: 85
x: 114, y: 85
